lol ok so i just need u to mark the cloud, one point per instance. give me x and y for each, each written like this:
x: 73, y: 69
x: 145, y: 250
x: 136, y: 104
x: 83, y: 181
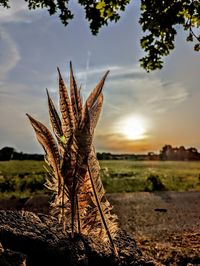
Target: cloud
x: 133, y: 89
x: 15, y: 129
x: 19, y: 13
x: 9, y: 54
x: 118, y: 144
x: 116, y: 72
x: 154, y: 96
x: 91, y: 74
x: 15, y: 13
x: 129, y: 92
x: 130, y: 88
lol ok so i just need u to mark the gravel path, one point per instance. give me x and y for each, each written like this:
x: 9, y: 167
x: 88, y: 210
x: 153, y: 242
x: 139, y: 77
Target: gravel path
x: 166, y: 225
x: 152, y: 213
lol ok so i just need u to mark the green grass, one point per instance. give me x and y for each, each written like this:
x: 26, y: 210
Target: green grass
x: 23, y: 178
x: 132, y: 175
x: 21, y: 167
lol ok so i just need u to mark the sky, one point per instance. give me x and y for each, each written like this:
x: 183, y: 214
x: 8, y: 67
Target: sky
x: 142, y: 111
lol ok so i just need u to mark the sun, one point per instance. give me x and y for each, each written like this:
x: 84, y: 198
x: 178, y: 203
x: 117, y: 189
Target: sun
x: 134, y: 128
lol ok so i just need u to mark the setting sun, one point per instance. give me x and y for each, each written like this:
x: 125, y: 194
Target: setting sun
x: 134, y: 128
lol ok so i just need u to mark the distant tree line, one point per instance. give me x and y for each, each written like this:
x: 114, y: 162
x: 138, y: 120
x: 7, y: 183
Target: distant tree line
x: 110, y: 156
x: 167, y: 153
x: 151, y: 156
x: 9, y: 153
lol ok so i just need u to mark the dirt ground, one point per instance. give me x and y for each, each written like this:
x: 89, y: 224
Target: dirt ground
x: 166, y: 225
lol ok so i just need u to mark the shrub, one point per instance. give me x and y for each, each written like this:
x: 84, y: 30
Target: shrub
x: 154, y: 183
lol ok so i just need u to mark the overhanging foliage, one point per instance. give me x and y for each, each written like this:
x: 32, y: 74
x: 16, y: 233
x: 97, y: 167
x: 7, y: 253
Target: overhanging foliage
x: 158, y: 19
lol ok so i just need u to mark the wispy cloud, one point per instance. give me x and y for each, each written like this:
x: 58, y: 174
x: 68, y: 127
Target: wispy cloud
x: 133, y: 89
x: 32, y: 44
x: 93, y: 71
x: 132, y: 92
x: 15, y: 13
x: 15, y: 130
x: 9, y: 54
x: 118, y: 144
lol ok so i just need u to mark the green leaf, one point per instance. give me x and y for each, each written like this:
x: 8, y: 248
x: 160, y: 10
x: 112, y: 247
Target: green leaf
x: 101, y: 5
x: 63, y: 140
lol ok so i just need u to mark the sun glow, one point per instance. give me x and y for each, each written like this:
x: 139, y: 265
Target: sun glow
x: 134, y: 128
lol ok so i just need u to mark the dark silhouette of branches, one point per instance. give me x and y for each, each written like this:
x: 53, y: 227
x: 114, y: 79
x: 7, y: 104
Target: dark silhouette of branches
x: 158, y: 19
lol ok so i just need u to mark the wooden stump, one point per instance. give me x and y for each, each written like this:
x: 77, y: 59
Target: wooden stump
x: 38, y: 240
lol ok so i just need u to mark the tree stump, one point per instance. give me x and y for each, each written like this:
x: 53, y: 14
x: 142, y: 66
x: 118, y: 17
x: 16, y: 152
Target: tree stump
x: 28, y: 239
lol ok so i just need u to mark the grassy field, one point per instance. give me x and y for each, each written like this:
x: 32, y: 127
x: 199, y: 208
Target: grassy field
x: 132, y: 176
x: 22, y: 178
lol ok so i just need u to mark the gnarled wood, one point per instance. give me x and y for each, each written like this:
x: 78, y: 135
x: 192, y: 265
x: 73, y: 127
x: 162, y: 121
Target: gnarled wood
x: 40, y: 240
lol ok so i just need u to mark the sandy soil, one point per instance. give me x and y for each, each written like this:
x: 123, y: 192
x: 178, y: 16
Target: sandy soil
x: 166, y: 225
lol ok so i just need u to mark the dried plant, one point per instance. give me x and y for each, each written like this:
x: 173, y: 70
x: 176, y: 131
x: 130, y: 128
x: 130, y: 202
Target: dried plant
x: 74, y: 174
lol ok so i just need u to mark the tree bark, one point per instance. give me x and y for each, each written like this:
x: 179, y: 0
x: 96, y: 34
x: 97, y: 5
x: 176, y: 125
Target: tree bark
x: 38, y: 240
